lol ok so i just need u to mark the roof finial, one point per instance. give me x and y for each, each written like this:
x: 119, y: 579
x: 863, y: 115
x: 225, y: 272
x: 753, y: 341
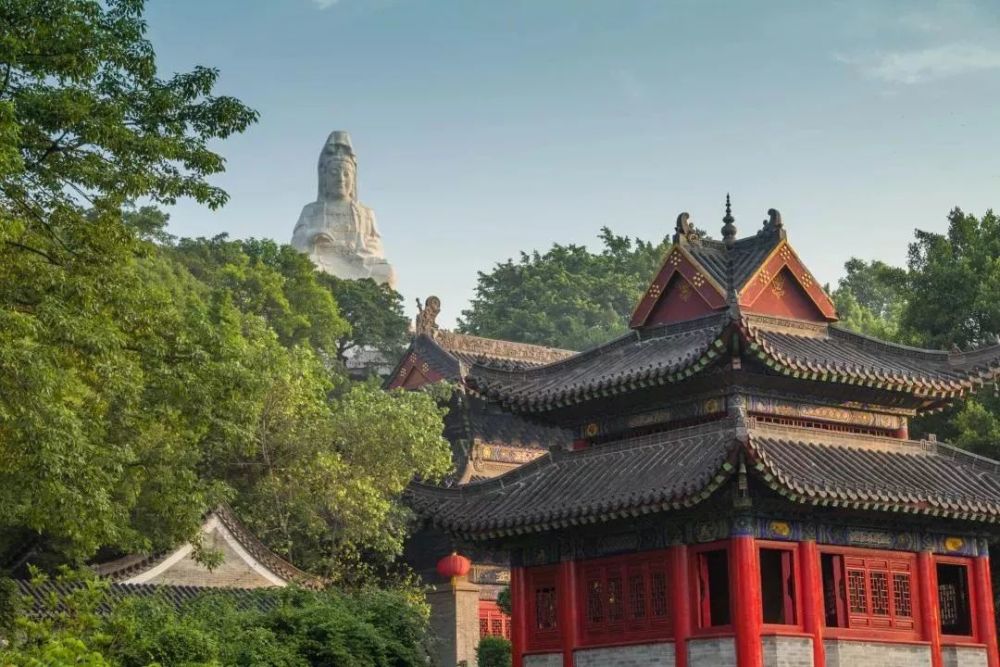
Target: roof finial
x: 729, y: 229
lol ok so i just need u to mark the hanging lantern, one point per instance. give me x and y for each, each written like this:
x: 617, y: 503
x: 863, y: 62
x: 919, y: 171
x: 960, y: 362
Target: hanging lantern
x: 454, y: 566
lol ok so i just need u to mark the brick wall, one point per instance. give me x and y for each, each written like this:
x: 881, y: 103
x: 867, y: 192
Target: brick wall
x: 963, y: 656
x: 715, y: 652
x: 544, y: 660
x: 788, y: 651
x: 642, y: 655
x: 841, y: 653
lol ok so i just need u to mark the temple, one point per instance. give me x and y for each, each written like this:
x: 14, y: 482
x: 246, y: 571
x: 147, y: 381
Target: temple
x: 741, y: 488
x: 486, y: 442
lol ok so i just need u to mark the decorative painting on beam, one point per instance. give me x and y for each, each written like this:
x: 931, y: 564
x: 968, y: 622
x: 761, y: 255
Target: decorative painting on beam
x: 680, y: 291
x: 647, y: 537
x: 709, y: 407
x: 780, y: 283
x: 780, y: 408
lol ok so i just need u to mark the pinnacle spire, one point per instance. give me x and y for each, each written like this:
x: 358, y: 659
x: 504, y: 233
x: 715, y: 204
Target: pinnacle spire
x: 729, y: 229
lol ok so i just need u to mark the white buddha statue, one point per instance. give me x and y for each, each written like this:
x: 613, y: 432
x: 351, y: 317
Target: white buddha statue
x: 336, y: 231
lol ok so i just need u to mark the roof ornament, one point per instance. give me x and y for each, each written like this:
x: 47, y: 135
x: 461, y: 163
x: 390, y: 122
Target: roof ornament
x: 729, y: 229
x: 685, y: 232
x: 773, y: 224
x: 426, y: 320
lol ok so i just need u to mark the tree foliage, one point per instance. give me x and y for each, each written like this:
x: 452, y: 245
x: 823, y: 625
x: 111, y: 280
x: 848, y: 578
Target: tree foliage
x: 144, y: 379
x: 375, y: 315
x: 493, y: 652
x: 86, y: 125
x: 280, y: 628
x: 567, y: 297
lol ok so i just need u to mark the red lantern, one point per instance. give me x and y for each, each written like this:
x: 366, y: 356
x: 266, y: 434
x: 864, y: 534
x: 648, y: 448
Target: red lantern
x: 454, y: 566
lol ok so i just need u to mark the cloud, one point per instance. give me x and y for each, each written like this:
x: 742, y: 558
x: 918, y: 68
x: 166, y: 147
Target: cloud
x: 928, y: 64
x: 324, y: 4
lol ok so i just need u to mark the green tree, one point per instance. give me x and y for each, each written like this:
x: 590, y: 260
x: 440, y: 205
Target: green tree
x: 567, y: 297
x: 85, y: 625
x: 493, y: 652
x: 871, y: 297
x: 375, y: 314
x: 86, y: 126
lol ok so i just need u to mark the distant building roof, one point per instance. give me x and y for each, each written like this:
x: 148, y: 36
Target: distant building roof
x: 247, y: 562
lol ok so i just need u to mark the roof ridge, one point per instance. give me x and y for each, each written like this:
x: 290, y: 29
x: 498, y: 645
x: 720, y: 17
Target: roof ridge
x: 836, y: 329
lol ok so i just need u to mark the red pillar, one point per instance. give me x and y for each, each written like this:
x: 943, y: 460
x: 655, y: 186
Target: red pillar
x: 812, y: 599
x: 744, y: 575
x: 930, y: 610
x: 680, y: 602
x: 518, y: 615
x: 567, y: 610
x: 985, y: 615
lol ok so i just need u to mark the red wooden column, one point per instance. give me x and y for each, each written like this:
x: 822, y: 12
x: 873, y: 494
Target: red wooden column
x: 985, y: 615
x: 680, y: 602
x: 930, y: 609
x: 567, y: 610
x: 812, y: 598
x: 518, y: 615
x: 744, y: 575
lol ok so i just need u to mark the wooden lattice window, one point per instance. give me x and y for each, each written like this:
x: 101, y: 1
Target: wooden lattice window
x: 625, y: 598
x: 492, y: 621
x: 869, y: 591
x: 543, y: 606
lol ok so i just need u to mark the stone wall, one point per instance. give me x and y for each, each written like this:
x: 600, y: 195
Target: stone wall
x: 714, y: 652
x: 963, y: 656
x: 842, y: 653
x: 641, y: 655
x: 787, y: 651
x: 544, y: 660
x: 454, y: 623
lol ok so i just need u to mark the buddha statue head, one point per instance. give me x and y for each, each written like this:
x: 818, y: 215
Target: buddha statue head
x: 338, y: 169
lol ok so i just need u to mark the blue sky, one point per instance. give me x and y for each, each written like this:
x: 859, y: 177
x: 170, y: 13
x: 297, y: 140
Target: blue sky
x: 487, y: 128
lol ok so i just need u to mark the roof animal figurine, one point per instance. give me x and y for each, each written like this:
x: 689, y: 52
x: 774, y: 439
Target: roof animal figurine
x: 685, y: 232
x: 426, y: 320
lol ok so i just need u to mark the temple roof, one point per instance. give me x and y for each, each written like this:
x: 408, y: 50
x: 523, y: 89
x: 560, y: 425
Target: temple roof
x: 447, y: 356
x: 137, y: 568
x: 671, y: 353
x: 675, y: 469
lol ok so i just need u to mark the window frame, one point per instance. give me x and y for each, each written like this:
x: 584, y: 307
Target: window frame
x: 697, y: 605
x: 490, y: 613
x: 841, y: 576
x: 544, y: 576
x: 794, y: 563
x: 625, y: 630
x: 965, y: 563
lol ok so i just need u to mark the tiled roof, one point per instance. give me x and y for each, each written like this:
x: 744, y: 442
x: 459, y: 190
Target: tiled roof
x: 561, y: 488
x: 877, y: 473
x: 666, y: 471
x: 131, y: 565
x: 832, y: 352
x: 815, y: 351
x: 44, y: 599
x: 638, y: 358
x: 501, y: 428
x: 746, y: 255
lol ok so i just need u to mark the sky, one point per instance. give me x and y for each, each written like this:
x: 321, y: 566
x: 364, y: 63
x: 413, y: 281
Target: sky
x: 484, y: 129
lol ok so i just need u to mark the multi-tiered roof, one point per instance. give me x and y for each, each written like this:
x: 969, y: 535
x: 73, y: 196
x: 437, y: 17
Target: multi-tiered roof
x: 734, y: 361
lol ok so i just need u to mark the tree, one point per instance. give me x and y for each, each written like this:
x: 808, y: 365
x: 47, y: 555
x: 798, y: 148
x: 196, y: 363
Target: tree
x: 84, y: 624
x: 375, y: 314
x: 86, y: 126
x: 567, y: 297
x: 871, y: 298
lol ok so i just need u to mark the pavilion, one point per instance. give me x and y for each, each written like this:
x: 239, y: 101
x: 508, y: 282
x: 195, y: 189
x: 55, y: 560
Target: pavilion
x: 742, y: 488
